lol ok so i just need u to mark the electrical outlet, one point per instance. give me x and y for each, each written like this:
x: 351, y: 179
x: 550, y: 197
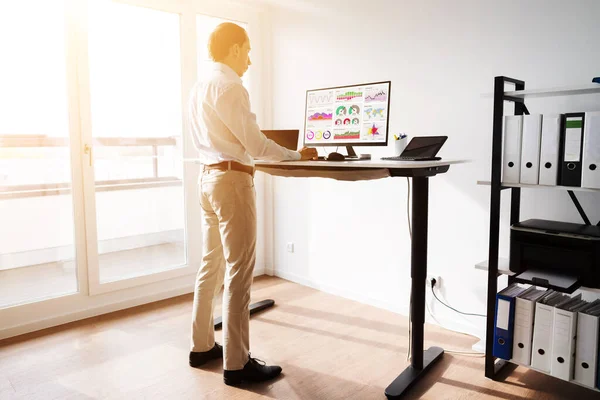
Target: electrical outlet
x: 290, y: 247
x: 438, y: 280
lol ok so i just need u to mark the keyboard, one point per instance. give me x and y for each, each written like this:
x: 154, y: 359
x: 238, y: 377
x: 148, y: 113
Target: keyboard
x: 405, y: 158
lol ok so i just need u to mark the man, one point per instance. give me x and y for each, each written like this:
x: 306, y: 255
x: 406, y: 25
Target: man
x: 228, y: 139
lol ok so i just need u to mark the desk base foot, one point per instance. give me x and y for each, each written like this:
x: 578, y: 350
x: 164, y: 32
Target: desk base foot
x: 254, y: 308
x: 410, y: 375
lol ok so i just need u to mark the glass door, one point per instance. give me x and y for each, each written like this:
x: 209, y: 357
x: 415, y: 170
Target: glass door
x: 37, y: 224
x: 134, y: 144
x: 94, y: 194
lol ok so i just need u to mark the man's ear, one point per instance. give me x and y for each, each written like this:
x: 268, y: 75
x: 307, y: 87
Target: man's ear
x: 235, y: 50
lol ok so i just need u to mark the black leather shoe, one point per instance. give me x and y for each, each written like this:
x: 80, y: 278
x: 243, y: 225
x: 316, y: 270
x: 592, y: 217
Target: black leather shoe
x: 199, y: 358
x: 254, y: 371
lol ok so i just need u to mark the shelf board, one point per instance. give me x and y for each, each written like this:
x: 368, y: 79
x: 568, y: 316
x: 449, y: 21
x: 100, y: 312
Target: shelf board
x: 545, y: 373
x: 589, y: 88
x: 503, y: 270
x: 524, y: 185
x: 502, y: 266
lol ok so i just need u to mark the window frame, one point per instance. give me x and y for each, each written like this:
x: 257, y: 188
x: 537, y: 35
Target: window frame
x: 88, y: 302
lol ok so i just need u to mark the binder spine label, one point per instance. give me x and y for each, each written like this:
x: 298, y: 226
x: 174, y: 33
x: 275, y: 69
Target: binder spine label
x: 573, y: 136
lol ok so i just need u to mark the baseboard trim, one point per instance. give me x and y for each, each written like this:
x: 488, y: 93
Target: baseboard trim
x: 479, y: 347
x: 100, y: 310
x: 93, y: 312
x: 348, y: 294
x: 456, y: 326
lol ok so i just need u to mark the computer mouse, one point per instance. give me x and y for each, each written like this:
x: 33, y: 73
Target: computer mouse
x: 335, y: 157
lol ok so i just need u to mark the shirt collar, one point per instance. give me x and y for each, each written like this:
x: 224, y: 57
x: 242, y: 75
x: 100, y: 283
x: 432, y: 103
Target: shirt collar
x: 230, y: 73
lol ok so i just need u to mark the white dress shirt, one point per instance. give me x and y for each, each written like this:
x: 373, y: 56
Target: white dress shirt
x: 224, y: 128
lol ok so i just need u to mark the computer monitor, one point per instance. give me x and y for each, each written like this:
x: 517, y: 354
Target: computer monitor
x: 356, y: 115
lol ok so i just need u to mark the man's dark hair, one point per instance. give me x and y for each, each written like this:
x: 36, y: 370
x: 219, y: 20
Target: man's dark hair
x: 223, y: 37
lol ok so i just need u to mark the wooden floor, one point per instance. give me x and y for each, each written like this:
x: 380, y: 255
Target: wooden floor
x: 329, y: 348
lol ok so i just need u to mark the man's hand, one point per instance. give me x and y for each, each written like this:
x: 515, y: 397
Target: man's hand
x: 308, y: 153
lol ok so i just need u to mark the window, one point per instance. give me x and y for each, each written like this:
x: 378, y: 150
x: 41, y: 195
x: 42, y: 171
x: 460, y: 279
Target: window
x: 135, y: 85
x: 37, y: 260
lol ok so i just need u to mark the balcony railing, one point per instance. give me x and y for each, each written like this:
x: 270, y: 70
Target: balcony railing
x: 62, y: 188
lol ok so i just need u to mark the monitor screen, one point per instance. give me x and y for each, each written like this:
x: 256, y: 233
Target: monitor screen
x: 347, y: 115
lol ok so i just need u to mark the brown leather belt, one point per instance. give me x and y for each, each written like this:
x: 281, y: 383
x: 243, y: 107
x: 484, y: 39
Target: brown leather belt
x: 231, y: 165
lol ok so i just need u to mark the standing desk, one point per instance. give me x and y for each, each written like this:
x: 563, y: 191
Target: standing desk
x: 420, y: 172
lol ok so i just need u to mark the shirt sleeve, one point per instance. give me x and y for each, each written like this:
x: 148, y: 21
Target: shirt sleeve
x: 233, y: 108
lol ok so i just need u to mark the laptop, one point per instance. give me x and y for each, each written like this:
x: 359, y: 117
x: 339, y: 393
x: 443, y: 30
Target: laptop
x: 421, y: 148
x: 287, y: 138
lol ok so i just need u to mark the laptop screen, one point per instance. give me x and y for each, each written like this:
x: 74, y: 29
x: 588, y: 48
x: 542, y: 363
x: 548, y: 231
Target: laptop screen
x: 424, y: 146
x: 287, y: 138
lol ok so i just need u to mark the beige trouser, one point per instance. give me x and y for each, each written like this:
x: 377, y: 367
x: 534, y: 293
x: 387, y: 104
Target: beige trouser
x: 229, y: 252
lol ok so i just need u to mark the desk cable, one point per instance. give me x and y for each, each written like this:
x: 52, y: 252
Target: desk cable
x: 325, y: 150
x: 409, y: 354
x: 433, y: 282
x: 461, y: 352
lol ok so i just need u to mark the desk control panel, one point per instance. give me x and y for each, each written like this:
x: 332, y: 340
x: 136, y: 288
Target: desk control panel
x: 404, y: 158
x: 337, y: 157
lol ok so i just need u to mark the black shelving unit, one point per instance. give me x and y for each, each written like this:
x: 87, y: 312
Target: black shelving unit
x: 492, y: 364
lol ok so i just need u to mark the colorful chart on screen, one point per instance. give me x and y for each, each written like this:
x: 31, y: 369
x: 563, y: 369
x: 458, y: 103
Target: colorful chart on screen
x: 347, y: 115
x: 375, y: 113
x: 373, y: 131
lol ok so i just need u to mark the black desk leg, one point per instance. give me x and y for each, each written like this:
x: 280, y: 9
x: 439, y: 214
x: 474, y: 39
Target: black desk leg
x: 421, y: 361
x: 254, y: 308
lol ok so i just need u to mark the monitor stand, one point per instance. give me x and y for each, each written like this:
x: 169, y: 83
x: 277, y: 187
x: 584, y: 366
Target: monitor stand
x: 351, y: 153
x: 353, y: 156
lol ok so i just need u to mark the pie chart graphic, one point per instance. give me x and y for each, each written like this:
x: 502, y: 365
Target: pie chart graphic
x: 319, y: 135
x: 310, y: 135
x: 326, y: 135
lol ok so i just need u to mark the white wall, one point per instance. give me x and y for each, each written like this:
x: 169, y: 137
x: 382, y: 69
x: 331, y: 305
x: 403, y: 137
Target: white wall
x: 352, y: 238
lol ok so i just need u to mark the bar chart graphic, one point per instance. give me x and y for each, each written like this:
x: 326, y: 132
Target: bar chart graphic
x: 348, y: 95
x: 346, y: 135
